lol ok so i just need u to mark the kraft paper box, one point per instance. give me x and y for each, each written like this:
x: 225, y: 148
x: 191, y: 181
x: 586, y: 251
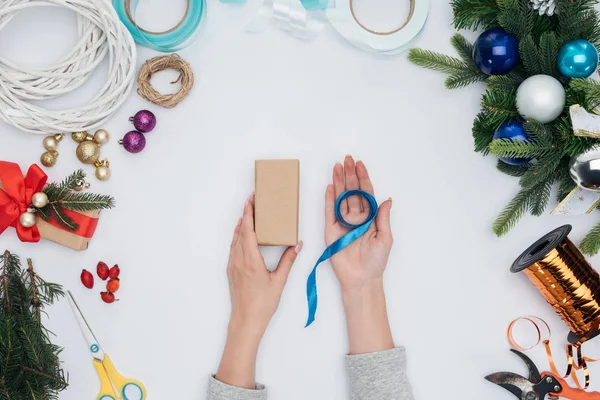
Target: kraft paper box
x: 61, y: 236
x: 277, y: 202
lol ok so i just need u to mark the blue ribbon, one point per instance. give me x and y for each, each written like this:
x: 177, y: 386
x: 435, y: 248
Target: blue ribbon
x: 337, y: 246
x: 173, y: 40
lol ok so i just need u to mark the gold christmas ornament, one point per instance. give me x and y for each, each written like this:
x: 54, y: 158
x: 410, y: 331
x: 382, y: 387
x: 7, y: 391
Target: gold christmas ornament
x: 102, y: 170
x: 88, y: 152
x: 39, y: 200
x: 101, y: 136
x: 48, y: 159
x: 51, y: 142
x: 27, y: 219
x: 82, y: 185
x: 80, y: 136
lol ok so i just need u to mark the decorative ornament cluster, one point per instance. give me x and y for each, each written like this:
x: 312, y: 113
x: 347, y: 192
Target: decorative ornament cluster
x: 134, y: 141
x: 537, y: 66
x: 88, y: 151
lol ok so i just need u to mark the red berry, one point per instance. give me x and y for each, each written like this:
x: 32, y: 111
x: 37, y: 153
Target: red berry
x: 87, y: 279
x: 113, y: 285
x: 102, y: 270
x: 108, y: 297
x: 114, y: 272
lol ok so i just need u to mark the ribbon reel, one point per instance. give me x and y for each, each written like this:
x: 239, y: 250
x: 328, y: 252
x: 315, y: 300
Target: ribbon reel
x: 174, y: 39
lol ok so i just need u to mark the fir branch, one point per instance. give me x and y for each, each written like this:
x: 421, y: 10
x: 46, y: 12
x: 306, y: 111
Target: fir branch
x: 507, y: 83
x: 517, y: 148
x: 513, y: 212
x: 541, y: 170
x: 464, y: 48
x: 483, y: 131
x: 516, y: 17
x: 35, y: 301
x: 474, y: 14
x: 540, y: 196
x: 539, y: 133
x: 86, y: 201
x: 58, y: 191
x: 530, y: 55
x: 500, y: 104
x: 549, y: 47
x: 588, y: 89
x: 437, y: 61
x: 512, y: 170
x: 565, y: 185
x: 464, y: 78
x: 63, y: 219
x: 590, y: 245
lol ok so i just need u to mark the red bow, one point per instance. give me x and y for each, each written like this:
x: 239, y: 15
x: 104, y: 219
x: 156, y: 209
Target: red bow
x: 16, y: 197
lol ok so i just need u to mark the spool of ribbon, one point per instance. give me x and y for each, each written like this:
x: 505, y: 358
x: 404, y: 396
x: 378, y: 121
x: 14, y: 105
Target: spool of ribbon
x: 356, y: 231
x: 16, y: 192
x: 174, y: 39
x: 303, y: 19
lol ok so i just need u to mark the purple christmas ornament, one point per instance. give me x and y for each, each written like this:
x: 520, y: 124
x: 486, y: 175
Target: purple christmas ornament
x: 133, y: 141
x: 144, y: 121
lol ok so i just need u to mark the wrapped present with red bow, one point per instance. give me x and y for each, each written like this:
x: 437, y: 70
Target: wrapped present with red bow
x: 61, y: 212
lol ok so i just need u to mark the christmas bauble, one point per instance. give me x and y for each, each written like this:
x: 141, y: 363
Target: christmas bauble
x: 48, y: 159
x: 88, y: 152
x: 27, y: 219
x: 496, y: 52
x: 103, y: 173
x: 39, y: 200
x: 512, y: 129
x: 51, y: 142
x: 79, y: 136
x: 144, y: 121
x: 133, y: 141
x: 585, y: 169
x: 101, y: 136
x: 540, y: 97
x: 577, y: 59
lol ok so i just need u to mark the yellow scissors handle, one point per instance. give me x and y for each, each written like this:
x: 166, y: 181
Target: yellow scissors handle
x: 129, y: 389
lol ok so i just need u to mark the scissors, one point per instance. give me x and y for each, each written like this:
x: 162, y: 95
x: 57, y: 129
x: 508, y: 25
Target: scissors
x: 537, y: 386
x: 110, y: 379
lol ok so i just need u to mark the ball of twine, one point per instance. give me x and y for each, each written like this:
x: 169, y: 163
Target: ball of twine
x: 160, y: 63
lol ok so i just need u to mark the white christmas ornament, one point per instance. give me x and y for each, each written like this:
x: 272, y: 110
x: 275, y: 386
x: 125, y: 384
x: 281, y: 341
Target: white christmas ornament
x: 540, y: 97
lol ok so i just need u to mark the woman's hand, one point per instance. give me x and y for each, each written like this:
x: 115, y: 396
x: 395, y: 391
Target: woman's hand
x: 255, y: 293
x: 360, y: 266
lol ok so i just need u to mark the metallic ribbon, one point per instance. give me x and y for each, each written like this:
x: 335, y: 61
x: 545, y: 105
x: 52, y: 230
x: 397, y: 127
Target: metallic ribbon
x: 16, y: 192
x: 568, y: 282
x: 176, y: 38
x: 356, y: 231
x: 578, y: 202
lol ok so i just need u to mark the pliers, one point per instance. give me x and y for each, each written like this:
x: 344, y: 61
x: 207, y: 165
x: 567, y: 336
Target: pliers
x: 538, y: 386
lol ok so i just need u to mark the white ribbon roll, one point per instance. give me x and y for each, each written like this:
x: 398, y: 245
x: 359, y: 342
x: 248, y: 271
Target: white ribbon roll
x: 344, y: 20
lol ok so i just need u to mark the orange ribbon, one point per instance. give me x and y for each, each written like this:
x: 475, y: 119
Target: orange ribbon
x: 16, y: 198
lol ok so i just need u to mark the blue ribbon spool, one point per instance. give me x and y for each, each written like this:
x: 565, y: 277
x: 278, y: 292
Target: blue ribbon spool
x: 169, y: 41
x: 337, y: 246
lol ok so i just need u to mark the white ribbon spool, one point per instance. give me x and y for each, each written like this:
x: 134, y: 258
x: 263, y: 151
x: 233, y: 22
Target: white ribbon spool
x: 344, y: 20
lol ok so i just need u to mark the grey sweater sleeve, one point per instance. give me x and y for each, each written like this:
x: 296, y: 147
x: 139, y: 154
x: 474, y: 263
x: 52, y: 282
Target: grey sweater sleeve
x: 379, y: 376
x: 373, y: 376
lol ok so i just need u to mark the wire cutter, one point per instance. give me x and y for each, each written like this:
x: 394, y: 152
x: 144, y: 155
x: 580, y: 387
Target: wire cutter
x: 537, y: 386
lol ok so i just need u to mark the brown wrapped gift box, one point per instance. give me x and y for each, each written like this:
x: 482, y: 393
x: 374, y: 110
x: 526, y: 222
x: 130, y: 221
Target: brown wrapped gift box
x: 277, y: 202
x: 61, y: 236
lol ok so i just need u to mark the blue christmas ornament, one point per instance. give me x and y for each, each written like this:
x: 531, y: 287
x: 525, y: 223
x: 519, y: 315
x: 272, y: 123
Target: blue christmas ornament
x: 577, y: 59
x: 496, y: 52
x: 512, y: 129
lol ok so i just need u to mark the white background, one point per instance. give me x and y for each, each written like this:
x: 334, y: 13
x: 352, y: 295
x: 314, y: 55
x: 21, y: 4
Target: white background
x: 450, y: 292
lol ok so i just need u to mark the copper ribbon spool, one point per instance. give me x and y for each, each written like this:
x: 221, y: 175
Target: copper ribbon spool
x: 568, y: 282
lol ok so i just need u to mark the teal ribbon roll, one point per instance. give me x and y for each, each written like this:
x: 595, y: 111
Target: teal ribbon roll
x: 169, y: 41
x: 356, y: 231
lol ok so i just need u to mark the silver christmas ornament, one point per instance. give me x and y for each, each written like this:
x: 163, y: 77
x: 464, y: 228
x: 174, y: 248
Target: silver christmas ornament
x: 27, y: 219
x: 541, y: 97
x: 39, y: 200
x: 544, y: 7
x: 585, y: 169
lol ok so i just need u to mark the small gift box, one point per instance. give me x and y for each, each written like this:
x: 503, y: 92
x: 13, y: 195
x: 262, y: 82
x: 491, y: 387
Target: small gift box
x: 51, y: 211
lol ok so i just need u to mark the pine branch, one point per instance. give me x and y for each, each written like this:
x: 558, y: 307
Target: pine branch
x: 437, y: 61
x: 549, y: 47
x: 499, y: 104
x: 483, y: 131
x: 86, y: 201
x: 512, y: 170
x: 517, y: 148
x: 465, y: 78
x: 63, y: 219
x: 516, y: 17
x: 541, y: 170
x: 540, y: 196
x: 464, y: 48
x: 474, y: 14
x: 530, y: 55
x: 539, y: 133
x: 590, y: 245
x: 588, y: 89
x: 513, y: 212
x: 506, y: 83
x: 58, y: 191
x: 565, y: 185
